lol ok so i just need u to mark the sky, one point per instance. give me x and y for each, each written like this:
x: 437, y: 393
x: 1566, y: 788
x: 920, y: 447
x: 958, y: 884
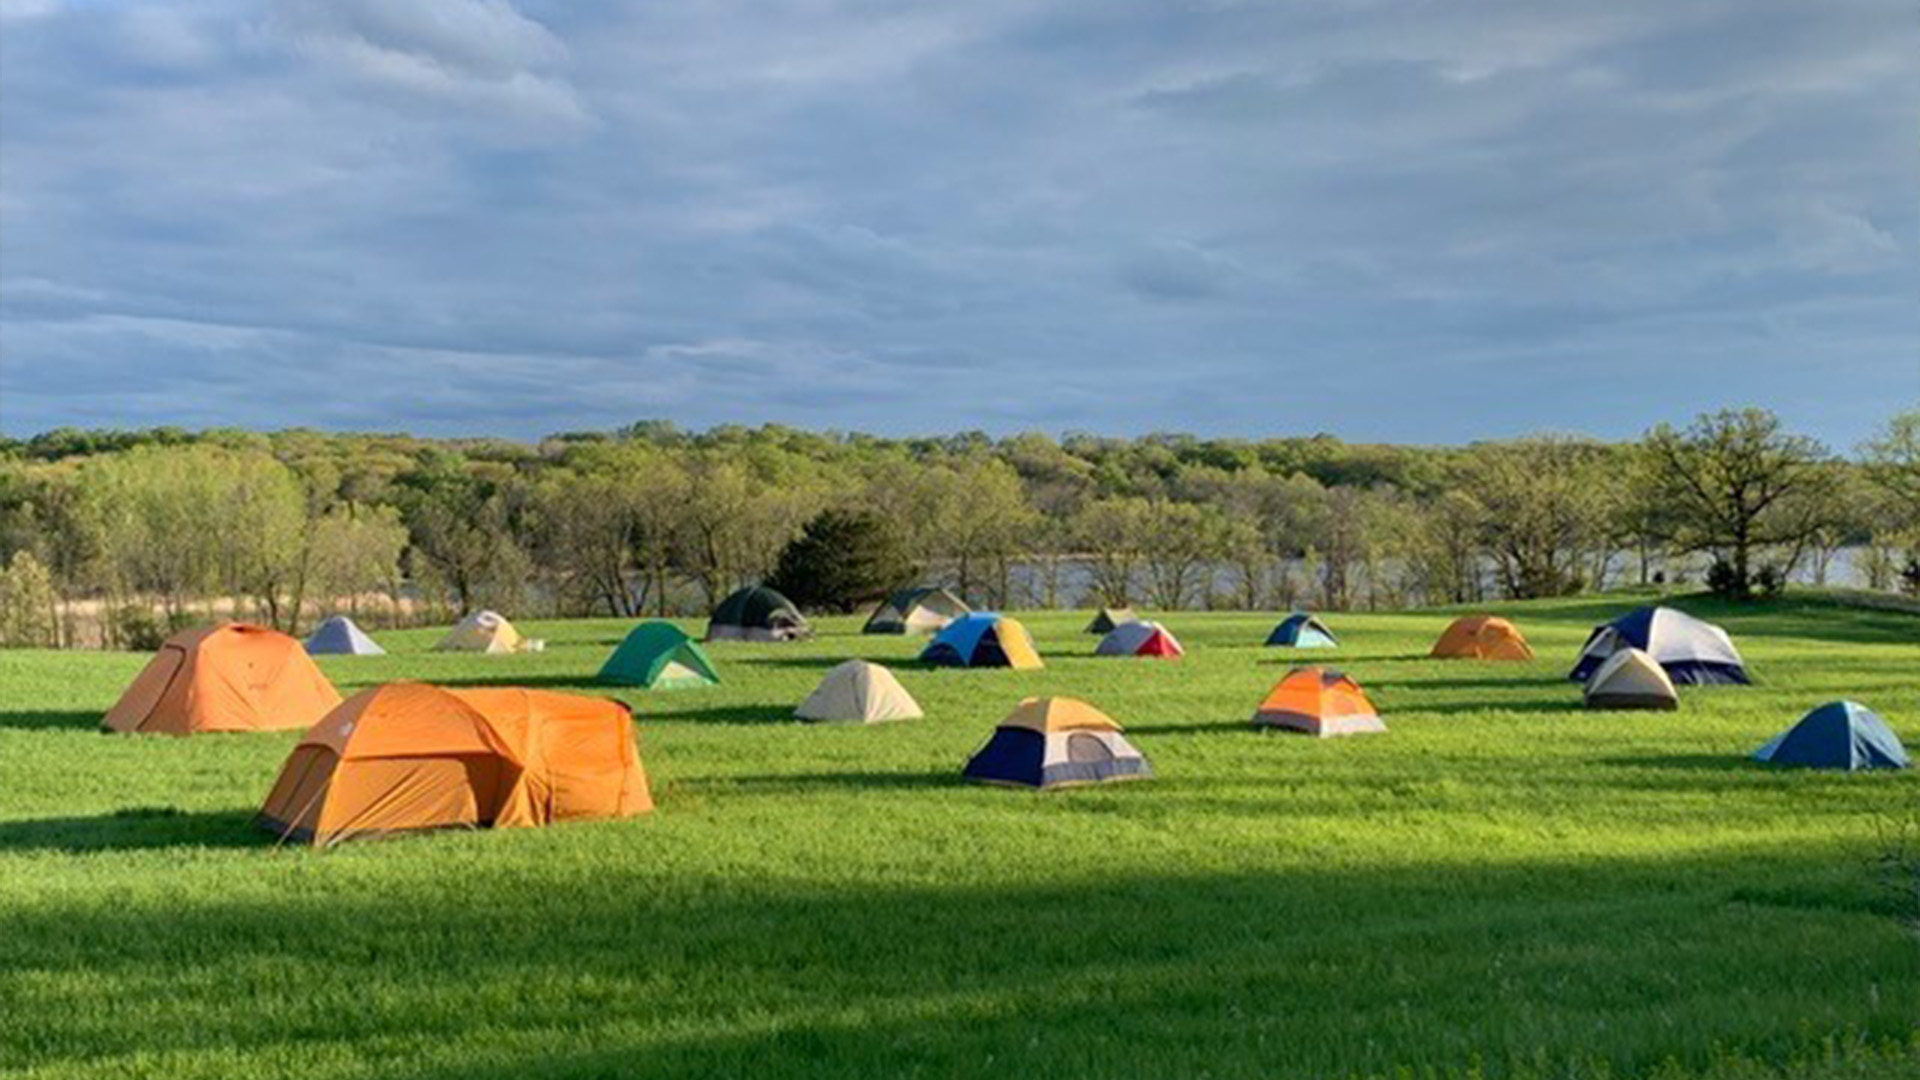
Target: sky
x: 1405, y: 221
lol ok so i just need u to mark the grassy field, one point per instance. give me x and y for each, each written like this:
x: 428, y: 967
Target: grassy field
x: 1502, y: 886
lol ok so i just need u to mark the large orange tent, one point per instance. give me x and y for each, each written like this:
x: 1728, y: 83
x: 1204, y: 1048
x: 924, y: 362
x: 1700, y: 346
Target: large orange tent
x: 1482, y: 637
x: 232, y: 677
x: 408, y: 756
x: 1318, y: 701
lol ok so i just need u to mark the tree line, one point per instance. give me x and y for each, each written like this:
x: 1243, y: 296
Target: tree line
x: 116, y: 537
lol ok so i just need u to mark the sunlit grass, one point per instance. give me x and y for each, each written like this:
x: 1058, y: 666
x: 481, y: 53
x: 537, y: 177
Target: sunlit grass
x: 1502, y: 882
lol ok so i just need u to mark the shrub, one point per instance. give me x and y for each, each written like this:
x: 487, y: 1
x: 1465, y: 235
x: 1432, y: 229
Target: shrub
x: 843, y: 559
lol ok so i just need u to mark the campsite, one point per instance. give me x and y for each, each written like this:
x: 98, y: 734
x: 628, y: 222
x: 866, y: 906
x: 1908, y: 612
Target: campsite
x: 1568, y: 892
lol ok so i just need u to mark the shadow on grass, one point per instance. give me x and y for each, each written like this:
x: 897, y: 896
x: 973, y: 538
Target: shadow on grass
x: 817, y: 663
x: 801, y: 782
x: 1204, y: 727
x: 1713, y: 763
x: 49, y: 720
x: 1569, y: 707
x: 717, y: 714
x: 583, y: 682
x: 134, y: 829
x: 1480, y: 683
x: 734, y: 976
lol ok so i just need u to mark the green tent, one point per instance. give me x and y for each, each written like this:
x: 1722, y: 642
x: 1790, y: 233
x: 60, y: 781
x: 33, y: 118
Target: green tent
x: 661, y: 656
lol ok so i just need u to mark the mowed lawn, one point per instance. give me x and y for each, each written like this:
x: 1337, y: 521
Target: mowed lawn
x: 1502, y: 885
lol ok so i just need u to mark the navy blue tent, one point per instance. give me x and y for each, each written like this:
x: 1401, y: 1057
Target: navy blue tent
x: 1692, y: 652
x: 1302, y: 631
x: 1837, y: 735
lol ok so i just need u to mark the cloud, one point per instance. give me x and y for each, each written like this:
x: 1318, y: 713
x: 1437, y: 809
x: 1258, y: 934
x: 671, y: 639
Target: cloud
x: 522, y: 217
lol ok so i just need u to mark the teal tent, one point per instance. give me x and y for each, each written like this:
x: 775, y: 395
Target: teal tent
x: 660, y: 656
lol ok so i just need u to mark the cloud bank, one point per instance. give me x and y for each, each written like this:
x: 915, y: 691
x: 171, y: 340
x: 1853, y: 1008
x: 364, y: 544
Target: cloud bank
x: 1418, y: 222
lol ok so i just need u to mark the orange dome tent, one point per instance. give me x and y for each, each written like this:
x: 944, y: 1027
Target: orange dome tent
x: 232, y: 677
x: 1318, y: 701
x: 1482, y: 637
x: 408, y: 756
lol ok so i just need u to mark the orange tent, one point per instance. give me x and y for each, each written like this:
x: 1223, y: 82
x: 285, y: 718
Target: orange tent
x: 232, y: 677
x: 1318, y: 701
x: 1482, y: 637
x: 409, y: 756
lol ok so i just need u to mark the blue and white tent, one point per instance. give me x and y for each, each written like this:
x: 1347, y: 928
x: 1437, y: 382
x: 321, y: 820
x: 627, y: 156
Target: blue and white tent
x: 1302, y: 631
x: 340, y: 636
x: 1837, y: 735
x: 1692, y: 651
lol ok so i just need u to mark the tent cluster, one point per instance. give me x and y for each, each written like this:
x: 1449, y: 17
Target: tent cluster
x: 406, y: 756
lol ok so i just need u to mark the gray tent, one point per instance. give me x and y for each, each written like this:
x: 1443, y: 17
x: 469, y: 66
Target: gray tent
x: 340, y: 636
x: 923, y: 611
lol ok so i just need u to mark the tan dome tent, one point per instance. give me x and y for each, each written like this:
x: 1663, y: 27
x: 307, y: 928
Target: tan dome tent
x: 858, y: 692
x: 407, y: 756
x: 1107, y: 618
x: 233, y: 677
x: 1482, y: 637
x: 1631, y: 679
x: 915, y: 611
x: 486, y: 632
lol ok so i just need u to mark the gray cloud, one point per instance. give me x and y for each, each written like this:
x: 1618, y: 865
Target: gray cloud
x: 1429, y: 222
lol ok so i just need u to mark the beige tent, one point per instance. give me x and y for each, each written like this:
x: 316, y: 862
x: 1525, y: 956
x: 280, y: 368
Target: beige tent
x: 858, y: 692
x: 486, y: 632
x: 1631, y: 679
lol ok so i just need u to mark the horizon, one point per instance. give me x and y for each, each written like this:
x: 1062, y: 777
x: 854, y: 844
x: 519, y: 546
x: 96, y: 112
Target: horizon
x: 1418, y: 227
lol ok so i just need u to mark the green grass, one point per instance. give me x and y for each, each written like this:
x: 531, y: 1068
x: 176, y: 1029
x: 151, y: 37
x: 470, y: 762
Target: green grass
x: 1504, y: 885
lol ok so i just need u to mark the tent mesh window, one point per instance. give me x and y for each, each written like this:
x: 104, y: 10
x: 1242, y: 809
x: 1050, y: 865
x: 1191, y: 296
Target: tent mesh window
x: 1087, y: 748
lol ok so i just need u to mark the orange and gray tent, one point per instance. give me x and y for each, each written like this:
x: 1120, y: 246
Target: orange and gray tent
x: 983, y: 639
x: 1140, y: 639
x: 757, y: 614
x: 1631, y: 679
x: 406, y: 757
x: 858, y: 692
x: 915, y: 611
x: 483, y: 632
x: 1107, y: 618
x: 1318, y: 701
x: 1482, y: 637
x: 234, y: 677
x: 1053, y: 742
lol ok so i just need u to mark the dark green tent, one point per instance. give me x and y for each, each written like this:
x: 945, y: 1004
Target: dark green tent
x: 658, y: 655
x: 1107, y: 618
x: 757, y: 613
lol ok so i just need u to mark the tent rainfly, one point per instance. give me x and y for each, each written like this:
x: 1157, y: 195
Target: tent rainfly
x: 1302, y: 631
x: 1837, y: 735
x: 1630, y: 679
x: 658, y: 655
x: 1693, y: 651
x: 1107, y: 618
x: 232, y: 677
x: 1140, y: 639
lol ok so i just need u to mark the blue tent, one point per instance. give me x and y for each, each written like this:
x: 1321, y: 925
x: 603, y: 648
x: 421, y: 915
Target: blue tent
x: 1692, y: 651
x: 1302, y: 631
x: 1837, y: 735
x: 339, y: 635
x: 983, y: 639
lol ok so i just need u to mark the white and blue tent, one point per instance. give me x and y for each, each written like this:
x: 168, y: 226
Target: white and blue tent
x: 1692, y: 651
x: 1302, y: 631
x: 1837, y: 735
x: 340, y: 636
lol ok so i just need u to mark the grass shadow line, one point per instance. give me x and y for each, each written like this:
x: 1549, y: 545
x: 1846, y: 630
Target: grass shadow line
x: 134, y: 829
x: 49, y: 720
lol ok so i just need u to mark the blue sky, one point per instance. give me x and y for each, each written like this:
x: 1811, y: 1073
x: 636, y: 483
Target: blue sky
x: 1403, y: 221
